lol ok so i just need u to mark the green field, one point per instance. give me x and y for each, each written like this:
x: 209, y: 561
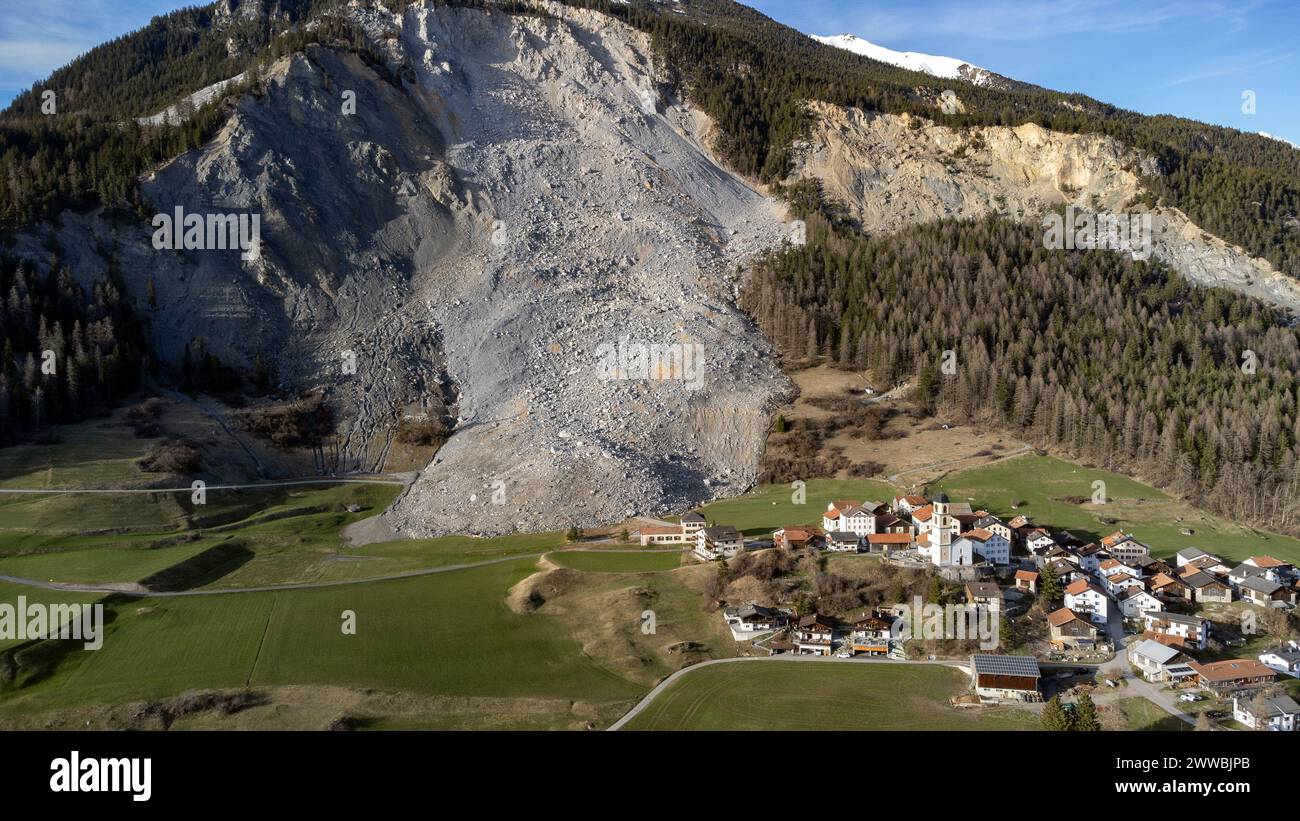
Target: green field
x: 617, y: 561
x: 1041, y: 485
x: 1143, y: 715
x: 780, y: 695
x: 770, y: 507
x: 442, y: 634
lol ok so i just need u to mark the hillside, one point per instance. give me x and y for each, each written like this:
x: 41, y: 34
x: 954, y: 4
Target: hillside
x: 482, y: 205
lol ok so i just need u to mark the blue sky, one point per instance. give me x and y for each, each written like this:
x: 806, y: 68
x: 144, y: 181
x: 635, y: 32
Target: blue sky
x: 1191, y: 58
x: 1194, y: 58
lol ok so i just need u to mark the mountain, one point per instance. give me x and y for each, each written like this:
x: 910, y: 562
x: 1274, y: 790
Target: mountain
x: 501, y: 212
x: 947, y: 67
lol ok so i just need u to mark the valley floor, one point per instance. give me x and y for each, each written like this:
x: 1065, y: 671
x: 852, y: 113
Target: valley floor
x: 526, y: 631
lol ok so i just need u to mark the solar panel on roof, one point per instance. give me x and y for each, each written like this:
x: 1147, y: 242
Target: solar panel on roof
x: 1006, y: 665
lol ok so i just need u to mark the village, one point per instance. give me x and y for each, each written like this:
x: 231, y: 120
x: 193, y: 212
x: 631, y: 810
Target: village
x: 1091, y: 616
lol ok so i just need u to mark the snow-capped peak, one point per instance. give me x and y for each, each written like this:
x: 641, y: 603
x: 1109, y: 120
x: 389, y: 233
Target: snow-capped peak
x: 946, y: 67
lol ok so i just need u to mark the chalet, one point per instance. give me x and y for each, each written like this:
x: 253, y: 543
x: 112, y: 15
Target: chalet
x: 907, y: 505
x: 859, y: 520
x: 720, y: 541
x: 1276, y: 569
x: 1188, y: 554
x: 755, y: 618
x: 993, y: 525
x: 1070, y: 629
x: 1110, y: 567
x: 888, y: 523
x: 834, y: 510
x: 889, y: 542
x: 842, y: 541
x: 1243, y: 571
x: 1224, y: 677
x: 1038, y: 540
x: 1205, y: 587
x: 1154, y: 567
x: 993, y: 547
x: 1091, y: 556
x: 812, y: 635
x: 984, y: 594
x: 1208, y: 564
x: 1119, y: 582
x: 1027, y: 580
x: 798, y: 538
x: 870, y: 633
x: 1168, y: 588
x: 1193, y: 630
x: 1066, y: 573
x: 1264, y: 592
x: 1284, y: 659
x: 1135, y: 603
x: 1276, y: 713
x: 1159, y: 662
x: 1124, y: 547
x: 1085, y: 597
x: 1005, y: 678
x: 693, y: 522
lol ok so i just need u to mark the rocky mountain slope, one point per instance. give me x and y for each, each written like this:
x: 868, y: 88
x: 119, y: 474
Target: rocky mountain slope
x: 892, y: 171
x: 481, y: 234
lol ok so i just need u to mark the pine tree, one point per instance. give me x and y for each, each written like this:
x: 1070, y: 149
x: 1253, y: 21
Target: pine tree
x: 1055, y: 717
x: 1085, y: 715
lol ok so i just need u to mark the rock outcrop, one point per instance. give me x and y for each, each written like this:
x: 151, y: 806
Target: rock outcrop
x: 892, y: 171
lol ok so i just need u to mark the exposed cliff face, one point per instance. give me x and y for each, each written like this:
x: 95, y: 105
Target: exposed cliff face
x: 892, y: 171
x: 497, y: 226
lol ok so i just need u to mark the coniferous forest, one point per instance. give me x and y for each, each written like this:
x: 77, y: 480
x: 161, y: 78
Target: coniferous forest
x: 66, y: 352
x: 1093, y: 355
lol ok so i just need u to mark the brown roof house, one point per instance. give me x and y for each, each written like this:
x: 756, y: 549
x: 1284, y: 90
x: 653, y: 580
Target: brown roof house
x: 1070, y: 629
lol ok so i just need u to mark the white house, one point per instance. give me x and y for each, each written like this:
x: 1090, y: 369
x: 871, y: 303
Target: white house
x: 813, y: 635
x: 1194, y: 631
x: 1124, y: 547
x: 1091, y: 556
x: 992, y: 546
x: 1158, y: 662
x: 1278, y: 713
x: 1083, y: 596
x: 1190, y: 554
x: 722, y: 541
x: 859, y: 520
x: 843, y: 541
x: 1038, y: 540
x: 1284, y: 659
x: 754, y: 618
x: 1135, y: 603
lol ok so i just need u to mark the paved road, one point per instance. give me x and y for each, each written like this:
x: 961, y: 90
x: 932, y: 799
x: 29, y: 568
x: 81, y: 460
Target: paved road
x: 663, y: 685
x: 1118, y: 668
x: 134, y: 590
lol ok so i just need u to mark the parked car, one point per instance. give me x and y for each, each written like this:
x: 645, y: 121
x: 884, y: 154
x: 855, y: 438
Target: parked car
x: 1189, y: 697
